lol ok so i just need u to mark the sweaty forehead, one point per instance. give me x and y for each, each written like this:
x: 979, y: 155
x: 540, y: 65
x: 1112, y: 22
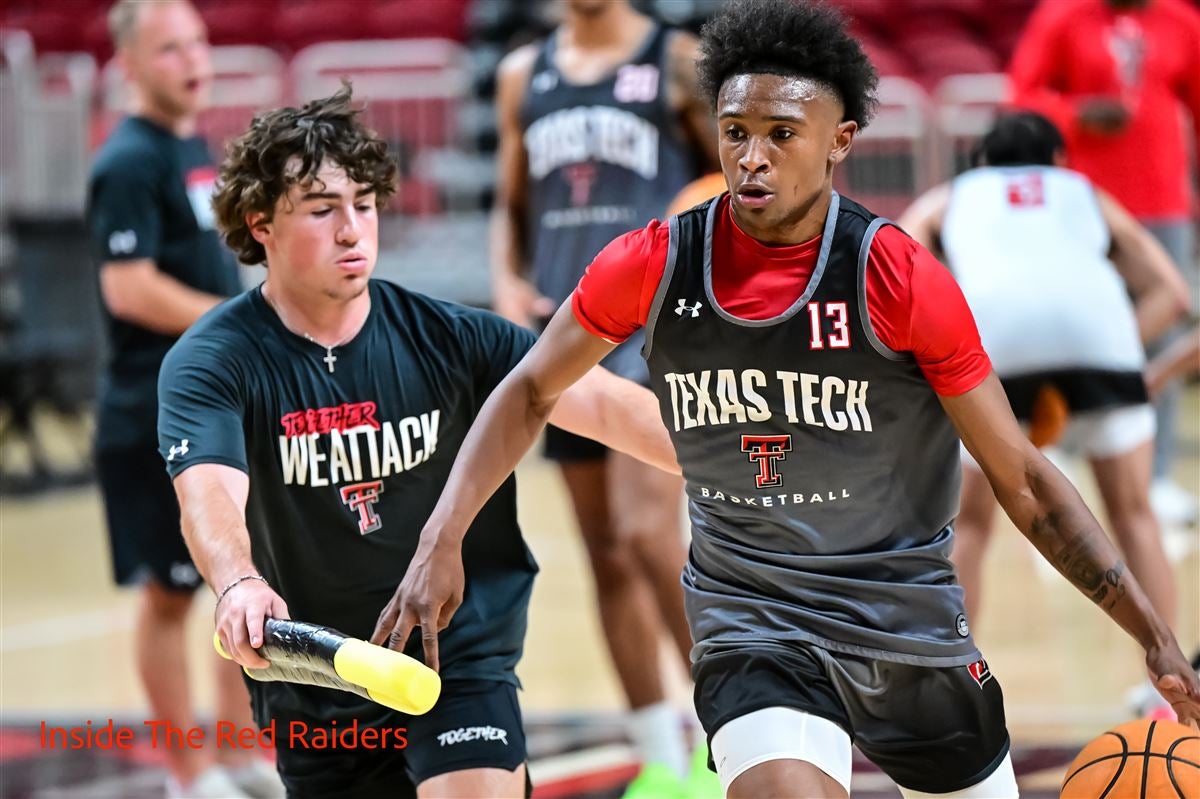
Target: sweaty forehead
x: 763, y: 95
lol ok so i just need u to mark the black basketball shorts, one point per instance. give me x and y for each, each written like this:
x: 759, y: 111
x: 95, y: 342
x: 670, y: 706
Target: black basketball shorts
x: 143, y: 519
x: 475, y: 724
x: 934, y: 730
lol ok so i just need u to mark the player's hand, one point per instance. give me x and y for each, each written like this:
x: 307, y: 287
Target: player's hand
x: 519, y: 301
x: 240, y: 616
x: 1104, y: 115
x: 1175, y: 679
x: 427, y: 597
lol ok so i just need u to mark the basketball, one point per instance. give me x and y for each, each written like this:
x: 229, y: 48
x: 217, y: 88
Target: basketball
x: 1137, y: 760
x: 696, y: 192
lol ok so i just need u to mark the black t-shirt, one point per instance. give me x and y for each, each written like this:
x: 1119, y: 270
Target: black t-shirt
x: 149, y: 197
x: 346, y: 466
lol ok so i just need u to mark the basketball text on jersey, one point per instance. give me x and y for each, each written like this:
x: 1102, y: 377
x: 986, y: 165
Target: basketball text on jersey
x: 347, y: 444
x: 728, y: 396
x: 592, y: 133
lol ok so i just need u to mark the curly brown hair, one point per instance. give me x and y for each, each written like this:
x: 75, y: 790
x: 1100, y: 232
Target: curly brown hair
x: 287, y: 147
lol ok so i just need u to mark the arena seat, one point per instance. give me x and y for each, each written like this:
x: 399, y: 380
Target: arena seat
x: 239, y: 22
x: 308, y: 22
x: 413, y: 90
x: 404, y: 19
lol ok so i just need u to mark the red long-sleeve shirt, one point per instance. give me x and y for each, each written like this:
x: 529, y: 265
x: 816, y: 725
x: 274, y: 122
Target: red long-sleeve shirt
x: 1149, y: 58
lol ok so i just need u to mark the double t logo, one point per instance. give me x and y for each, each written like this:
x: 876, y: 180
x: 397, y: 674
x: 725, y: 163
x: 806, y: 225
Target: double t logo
x: 362, y: 498
x: 765, y: 451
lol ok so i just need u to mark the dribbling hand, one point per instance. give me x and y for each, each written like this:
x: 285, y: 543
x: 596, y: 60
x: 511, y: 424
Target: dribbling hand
x: 1175, y: 679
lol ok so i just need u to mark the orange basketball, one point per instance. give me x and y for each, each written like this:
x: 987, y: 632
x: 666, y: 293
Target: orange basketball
x: 1137, y: 760
x: 696, y: 192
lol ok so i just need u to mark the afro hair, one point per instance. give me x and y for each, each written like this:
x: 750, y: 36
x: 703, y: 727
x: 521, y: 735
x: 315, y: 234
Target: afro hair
x: 792, y: 38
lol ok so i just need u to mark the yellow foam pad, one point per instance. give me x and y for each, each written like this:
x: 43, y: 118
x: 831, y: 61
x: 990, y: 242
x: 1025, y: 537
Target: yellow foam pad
x: 390, y: 678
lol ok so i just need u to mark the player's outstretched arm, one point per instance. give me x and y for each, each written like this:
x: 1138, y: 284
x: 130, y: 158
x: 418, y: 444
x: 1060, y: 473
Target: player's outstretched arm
x: 1044, y: 505
x: 212, y: 503
x: 619, y: 414
x: 506, y: 427
x: 1160, y: 293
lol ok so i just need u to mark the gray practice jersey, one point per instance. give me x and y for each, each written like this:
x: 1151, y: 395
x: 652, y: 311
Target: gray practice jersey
x: 604, y: 158
x: 822, y: 472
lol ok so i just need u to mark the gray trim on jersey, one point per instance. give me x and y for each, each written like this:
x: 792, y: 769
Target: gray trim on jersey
x: 864, y: 253
x: 813, y: 282
x: 664, y: 283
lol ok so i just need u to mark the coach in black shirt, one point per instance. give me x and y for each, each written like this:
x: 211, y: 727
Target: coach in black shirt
x: 162, y: 265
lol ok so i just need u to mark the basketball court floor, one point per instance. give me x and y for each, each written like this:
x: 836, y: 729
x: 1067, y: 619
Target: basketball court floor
x: 66, y: 651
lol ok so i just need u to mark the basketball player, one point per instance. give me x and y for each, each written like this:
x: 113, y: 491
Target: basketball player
x: 600, y: 126
x: 161, y: 267
x: 309, y: 425
x: 1019, y: 231
x: 813, y: 365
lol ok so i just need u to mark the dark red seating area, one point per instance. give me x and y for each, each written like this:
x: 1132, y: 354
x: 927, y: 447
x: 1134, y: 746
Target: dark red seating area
x: 928, y: 40
x: 287, y: 25
x: 925, y: 40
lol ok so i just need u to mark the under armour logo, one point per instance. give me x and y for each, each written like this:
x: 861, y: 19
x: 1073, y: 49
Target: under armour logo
x: 694, y: 310
x: 180, y: 450
x: 544, y: 82
x: 122, y: 242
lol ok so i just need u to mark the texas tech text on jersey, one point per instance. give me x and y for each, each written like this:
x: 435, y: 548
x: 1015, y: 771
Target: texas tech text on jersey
x: 725, y: 396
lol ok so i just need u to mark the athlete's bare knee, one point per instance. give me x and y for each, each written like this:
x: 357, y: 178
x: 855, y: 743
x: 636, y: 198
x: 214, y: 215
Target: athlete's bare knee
x: 614, y: 564
x: 783, y: 779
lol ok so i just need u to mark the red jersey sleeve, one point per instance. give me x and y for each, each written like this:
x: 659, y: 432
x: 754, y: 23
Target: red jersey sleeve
x: 915, y: 306
x: 614, y: 296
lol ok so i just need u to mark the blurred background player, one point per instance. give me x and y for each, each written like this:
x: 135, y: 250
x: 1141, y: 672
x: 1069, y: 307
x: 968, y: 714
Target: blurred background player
x: 162, y: 266
x: 1114, y: 75
x: 1047, y: 263
x: 600, y: 126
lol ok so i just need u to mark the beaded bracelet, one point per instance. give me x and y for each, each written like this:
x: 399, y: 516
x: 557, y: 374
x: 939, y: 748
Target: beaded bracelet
x: 241, y: 579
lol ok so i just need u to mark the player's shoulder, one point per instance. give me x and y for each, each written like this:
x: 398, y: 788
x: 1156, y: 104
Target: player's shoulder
x: 224, y: 333
x: 432, y: 317
x: 518, y: 63
x: 637, y: 248
x: 133, y: 148
x: 682, y: 45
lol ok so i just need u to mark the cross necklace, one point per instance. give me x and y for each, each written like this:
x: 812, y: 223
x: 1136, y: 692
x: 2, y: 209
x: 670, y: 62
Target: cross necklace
x: 330, y: 359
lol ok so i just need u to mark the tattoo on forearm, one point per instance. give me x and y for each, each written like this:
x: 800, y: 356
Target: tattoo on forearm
x: 1071, y: 549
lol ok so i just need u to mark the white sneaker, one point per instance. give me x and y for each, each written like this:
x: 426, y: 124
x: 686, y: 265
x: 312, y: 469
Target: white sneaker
x: 1172, y: 504
x: 212, y: 783
x: 259, y: 779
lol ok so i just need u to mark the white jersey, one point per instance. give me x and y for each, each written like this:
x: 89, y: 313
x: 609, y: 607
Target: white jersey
x: 1029, y: 247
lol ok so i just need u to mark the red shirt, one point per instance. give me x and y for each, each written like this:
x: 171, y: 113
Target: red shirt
x: 1149, y: 58
x: 912, y: 300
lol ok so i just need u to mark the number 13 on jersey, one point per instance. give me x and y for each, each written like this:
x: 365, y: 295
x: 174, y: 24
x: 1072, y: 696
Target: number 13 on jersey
x: 839, y: 338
